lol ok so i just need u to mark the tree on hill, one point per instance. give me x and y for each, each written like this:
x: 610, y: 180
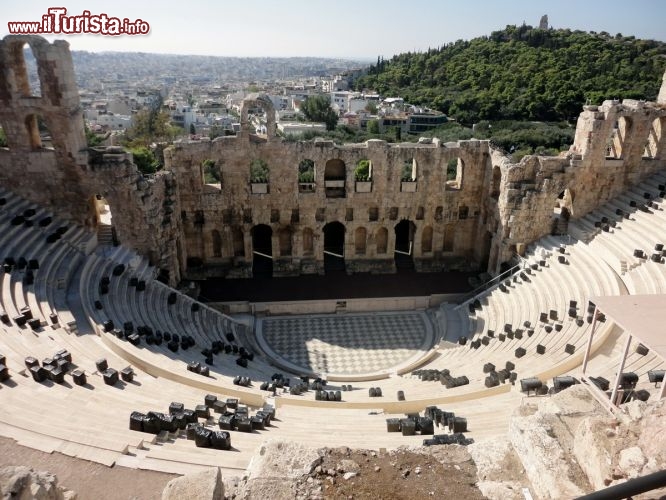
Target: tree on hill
x: 317, y: 108
x: 523, y: 73
x: 144, y: 159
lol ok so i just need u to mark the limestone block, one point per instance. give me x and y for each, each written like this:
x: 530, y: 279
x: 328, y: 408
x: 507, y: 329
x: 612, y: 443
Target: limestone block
x: 275, y: 469
x: 489, y: 457
x: 545, y: 461
x: 593, y: 451
x: 206, y: 485
x: 24, y: 483
x: 268, y: 488
x: 631, y: 461
x: 497, y: 490
x: 652, y: 441
x: 281, y: 459
x: 347, y: 465
x: 572, y: 401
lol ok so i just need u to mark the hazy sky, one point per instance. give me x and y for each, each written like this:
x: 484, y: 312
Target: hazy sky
x: 340, y: 28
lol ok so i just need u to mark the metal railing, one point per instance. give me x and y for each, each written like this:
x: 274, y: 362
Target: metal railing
x: 492, y: 283
x: 632, y: 487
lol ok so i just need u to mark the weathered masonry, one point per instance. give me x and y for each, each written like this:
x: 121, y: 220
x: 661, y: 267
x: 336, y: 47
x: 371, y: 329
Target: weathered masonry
x: 63, y: 174
x: 289, y: 208
x: 308, y: 206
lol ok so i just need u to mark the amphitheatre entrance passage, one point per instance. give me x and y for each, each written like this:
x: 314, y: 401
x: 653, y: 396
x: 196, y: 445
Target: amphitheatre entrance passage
x: 349, y: 345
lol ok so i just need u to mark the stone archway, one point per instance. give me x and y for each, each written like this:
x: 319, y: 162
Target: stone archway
x: 562, y: 211
x: 263, y: 102
x: 216, y: 238
x: 360, y: 240
x: 262, y: 251
x: 381, y: 240
x: 335, y: 174
x: 404, y: 244
x: 334, y: 247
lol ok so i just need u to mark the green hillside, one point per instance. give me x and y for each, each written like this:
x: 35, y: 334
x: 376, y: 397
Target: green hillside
x: 523, y: 73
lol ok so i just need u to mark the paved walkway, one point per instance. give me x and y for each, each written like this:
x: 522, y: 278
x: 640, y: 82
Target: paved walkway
x: 349, y: 344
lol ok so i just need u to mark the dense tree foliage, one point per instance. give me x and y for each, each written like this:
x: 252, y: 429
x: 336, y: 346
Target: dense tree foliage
x: 317, y: 108
x: 144, y: 159
x: 259, y: 171
x: 518, y: 138
x: 150, y: 126
x: 211, y: 174
x: 3, y: 139
x: 91, y: 137
x: 523, y: 73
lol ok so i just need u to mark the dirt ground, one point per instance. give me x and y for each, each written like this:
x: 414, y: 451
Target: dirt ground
x: 90, y: 480
x: 438, y: 472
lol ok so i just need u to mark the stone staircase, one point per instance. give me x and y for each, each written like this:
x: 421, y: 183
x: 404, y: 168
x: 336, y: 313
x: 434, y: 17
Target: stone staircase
x: 105, y: 234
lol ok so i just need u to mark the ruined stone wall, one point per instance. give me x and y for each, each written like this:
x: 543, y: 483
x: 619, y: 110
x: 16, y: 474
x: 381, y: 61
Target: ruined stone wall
x: 487, y: 210
x: 434, y: 205
x: 49, y: 176
x: 65, y: 175
x: 616, y: 145
x: 143, y: 208
x: 498, y: 209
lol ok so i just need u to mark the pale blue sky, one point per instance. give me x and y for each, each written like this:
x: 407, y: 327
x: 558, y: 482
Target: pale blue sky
x: 340, y: 28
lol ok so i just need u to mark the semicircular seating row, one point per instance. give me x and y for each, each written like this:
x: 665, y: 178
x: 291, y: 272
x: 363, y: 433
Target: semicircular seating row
x: 540, y: 310
x: 91, y: 421
x: 522, y: 301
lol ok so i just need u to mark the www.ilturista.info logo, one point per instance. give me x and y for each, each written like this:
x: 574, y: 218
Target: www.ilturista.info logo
x: 56, y: 21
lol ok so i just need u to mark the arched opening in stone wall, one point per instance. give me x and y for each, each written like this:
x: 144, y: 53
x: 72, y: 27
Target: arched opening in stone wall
x: 454, y: 173
x: 259, y: 171
x: 4, y: 143
x: 25, y: 71
x: 217, y: 243
x: 210, y: 173
x: 39, y: 135
x: 254, y: 109
x: 496, y: 183
x: 335, y: 175
x: 306, y: 176
x: 381, y: 239
x: 363, y: 171
x: 655, y: 138
x: 262, y: 251
x: 448, y: 242
x: 32, y: 131
x: 360, y: 237
x: 408, y: 173
x: 562, y: 211
x: 308, y: 241
x: 284, y: 237
x: 408, y: 176
x: 238, y: 241
x: 426, y: 240
x: 404, y: 244
x: 102, y: 220
x: 617, y: 139
x: 485, y: 250
x: 334, y: 247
